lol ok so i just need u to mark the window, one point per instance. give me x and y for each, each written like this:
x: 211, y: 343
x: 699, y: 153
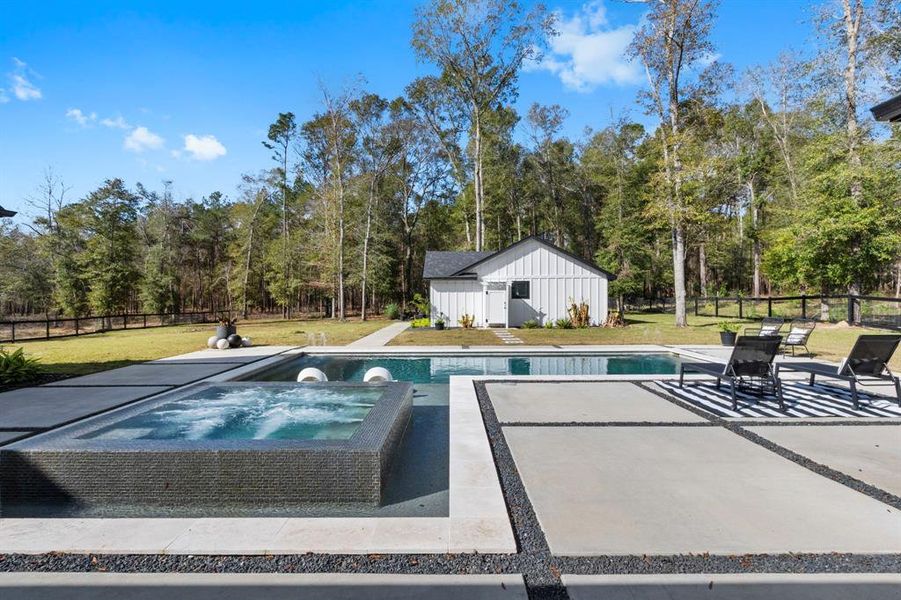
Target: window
x: 520, y: 290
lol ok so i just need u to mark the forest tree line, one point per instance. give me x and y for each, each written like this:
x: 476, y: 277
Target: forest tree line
x: 761, y: 182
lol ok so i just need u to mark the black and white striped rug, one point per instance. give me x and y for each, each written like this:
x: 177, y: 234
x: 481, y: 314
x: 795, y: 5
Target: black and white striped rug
x: 801, y: 400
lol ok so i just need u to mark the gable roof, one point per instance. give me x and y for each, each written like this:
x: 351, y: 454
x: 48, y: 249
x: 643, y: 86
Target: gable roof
x: 440, y: 265
x: 450, y: 265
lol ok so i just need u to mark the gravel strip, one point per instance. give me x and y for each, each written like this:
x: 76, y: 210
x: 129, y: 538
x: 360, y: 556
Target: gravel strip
x: 540, y: 569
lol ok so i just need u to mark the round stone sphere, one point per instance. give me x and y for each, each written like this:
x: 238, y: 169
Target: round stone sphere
x: 246, y: 342
x: 211, y: 343
x: 222, y: 344
x: 234, y: 340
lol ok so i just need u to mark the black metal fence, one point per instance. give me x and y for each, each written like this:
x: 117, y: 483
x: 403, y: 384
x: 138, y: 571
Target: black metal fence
x: 869, y: 311
x: 55, y: 327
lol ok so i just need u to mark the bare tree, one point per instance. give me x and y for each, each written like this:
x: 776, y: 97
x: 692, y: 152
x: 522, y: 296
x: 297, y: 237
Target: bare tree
x: 674, y: 37
x: 480, y: 45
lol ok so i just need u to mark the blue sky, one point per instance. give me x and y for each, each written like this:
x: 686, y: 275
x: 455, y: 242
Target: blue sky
x: 185, y: 91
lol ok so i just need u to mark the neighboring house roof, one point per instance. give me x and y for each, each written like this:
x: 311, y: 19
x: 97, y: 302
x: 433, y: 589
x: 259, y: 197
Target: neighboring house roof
x: 6, y: 213
x: 890, y: 110
x: 438, y: 265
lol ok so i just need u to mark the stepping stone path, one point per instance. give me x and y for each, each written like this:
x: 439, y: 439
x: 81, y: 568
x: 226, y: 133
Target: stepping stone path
x: 507, y: 337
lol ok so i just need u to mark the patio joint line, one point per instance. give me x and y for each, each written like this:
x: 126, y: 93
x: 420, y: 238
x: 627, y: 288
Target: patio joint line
x: 820, y: 469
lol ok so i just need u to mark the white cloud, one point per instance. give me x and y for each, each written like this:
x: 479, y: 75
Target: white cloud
x: 588, y: 51
x: 3, y: 97
x: 115, y: 123
x: 141, y: 139
x: 80, y: 117
x: 708, y: 58
x: 22, y: 87
x: 204, y: 147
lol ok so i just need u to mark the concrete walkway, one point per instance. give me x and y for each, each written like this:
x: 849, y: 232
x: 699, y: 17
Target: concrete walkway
x: 820, y: 586
x: 381, y: 337
x: 268, y: 586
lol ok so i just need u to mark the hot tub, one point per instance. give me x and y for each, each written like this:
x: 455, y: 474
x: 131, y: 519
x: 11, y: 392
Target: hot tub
x: 219, y: 444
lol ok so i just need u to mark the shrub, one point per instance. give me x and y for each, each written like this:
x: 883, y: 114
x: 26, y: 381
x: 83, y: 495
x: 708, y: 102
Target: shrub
x: 548, y: 324
x: 16, y: 367
x: 424, y: 322
x: 564, y: 324
x: 579, y: 314
x: 421, y: 305
x: 530, y: 324
x: 392, y: 311
x: 466, y: 321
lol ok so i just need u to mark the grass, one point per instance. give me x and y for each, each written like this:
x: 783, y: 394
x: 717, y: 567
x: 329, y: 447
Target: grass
x: 829, y: 342
x: 98, y: 352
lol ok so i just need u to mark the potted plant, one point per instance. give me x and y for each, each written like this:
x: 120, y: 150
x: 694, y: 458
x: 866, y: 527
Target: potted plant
x: 728, y: 331
x: 439, y: 324
x: 226, y: 327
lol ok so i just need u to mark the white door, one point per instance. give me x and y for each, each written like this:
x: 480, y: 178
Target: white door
x: 497, y: 307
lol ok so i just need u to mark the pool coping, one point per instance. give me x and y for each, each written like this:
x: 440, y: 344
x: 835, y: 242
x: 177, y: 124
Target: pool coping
x: 478, y: 519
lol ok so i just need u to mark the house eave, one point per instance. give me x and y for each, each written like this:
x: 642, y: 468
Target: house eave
x: 889, y: 111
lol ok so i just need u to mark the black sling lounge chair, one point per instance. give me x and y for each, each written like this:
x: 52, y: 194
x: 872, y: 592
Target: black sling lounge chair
x: 752, y: 357
x: 769, y: 326
x: 868, y: 358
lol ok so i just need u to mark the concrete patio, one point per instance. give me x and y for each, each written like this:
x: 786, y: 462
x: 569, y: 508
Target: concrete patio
x: 612, y: 468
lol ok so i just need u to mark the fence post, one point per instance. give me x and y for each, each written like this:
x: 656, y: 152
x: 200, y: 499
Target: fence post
x: 124, y: 320
x: 853, y: 310
x: 716, y: 306
x: 14, y: 330
x: 47, y: 322
x: 769, y: 307
x: 741, y: 313
x: 76, y: 325
x: 803, y: 306
x: 696, y: 306
x: 145, y: 320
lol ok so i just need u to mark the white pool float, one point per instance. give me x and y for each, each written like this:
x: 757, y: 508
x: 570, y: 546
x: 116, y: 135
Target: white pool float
x: 376, y: 374
x: 246, y: 342
x: 222, y: 344
x: 311, y: 375
x: 211, y: 342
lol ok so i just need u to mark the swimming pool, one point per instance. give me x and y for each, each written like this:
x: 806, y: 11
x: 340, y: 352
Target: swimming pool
x: 439, y: 369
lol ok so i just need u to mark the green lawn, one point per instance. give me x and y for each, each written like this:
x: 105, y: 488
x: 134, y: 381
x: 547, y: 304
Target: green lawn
x: 90, y: 353
x: 98, y: 352
x: 830, y: 342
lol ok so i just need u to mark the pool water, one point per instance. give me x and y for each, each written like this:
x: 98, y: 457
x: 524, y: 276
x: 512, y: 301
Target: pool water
x: 263, y: 412
x: 439, y: 369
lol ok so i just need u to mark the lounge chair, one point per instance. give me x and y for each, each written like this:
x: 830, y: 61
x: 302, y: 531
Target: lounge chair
x: 769, y: 326
x: 752, y: 357
x: 868, y: 358
x: 798, y: 333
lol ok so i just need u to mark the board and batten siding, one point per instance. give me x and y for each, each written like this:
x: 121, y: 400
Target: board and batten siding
x: 454, y: 298
x: 554, y: 279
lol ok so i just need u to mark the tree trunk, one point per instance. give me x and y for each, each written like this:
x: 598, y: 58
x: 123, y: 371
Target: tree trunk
x: 853, y: 13
x: 679, y: 273
x: 702, y: 269
x: 477, y: 179
x: 366, y: 238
